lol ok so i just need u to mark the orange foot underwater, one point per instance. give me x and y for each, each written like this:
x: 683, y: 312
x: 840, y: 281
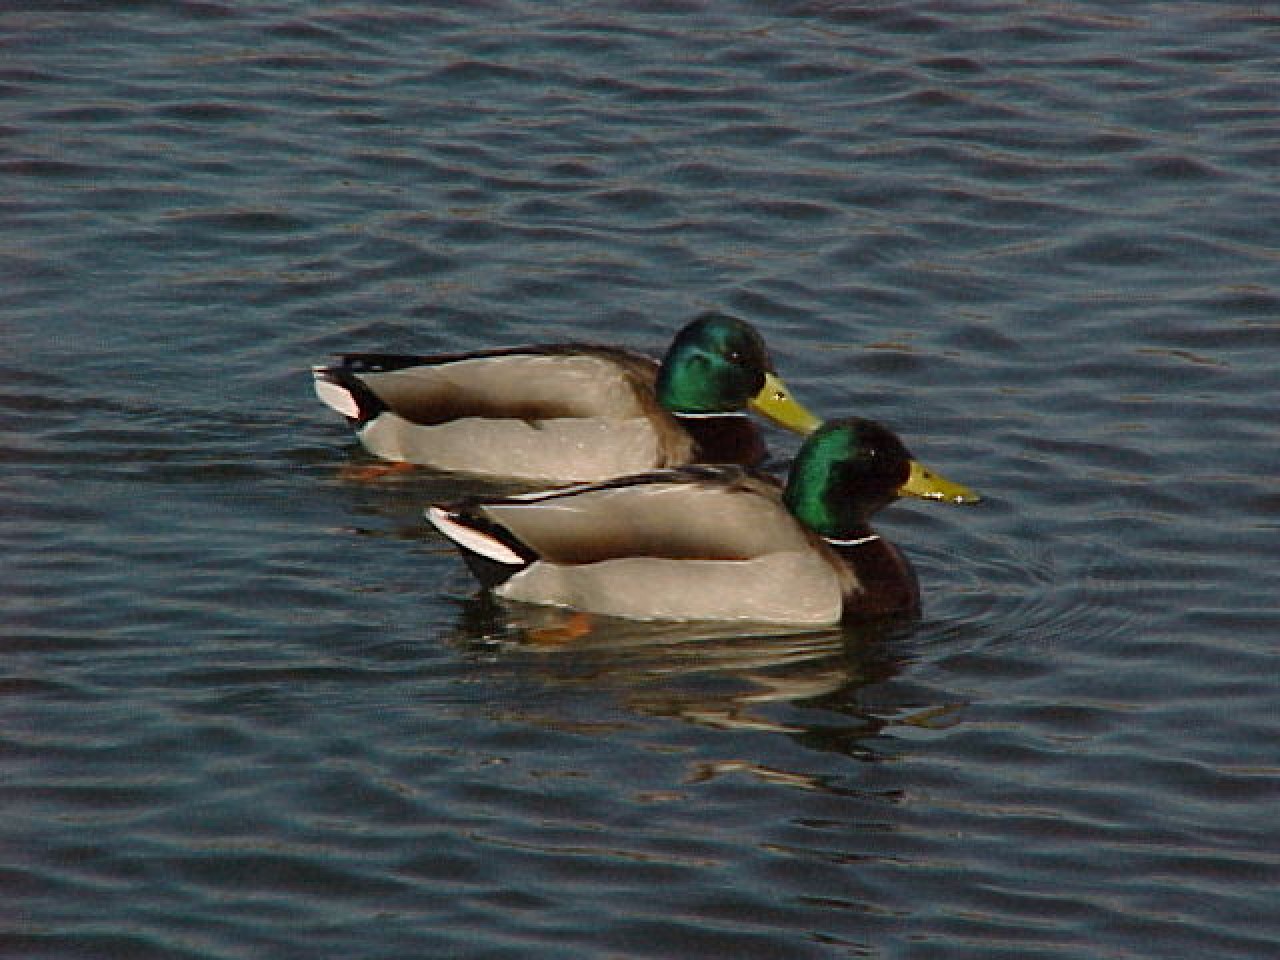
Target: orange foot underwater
x: 370, y: 473
x: 575, y: 625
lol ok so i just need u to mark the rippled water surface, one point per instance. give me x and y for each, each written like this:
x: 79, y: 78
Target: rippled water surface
x: 250, y: 705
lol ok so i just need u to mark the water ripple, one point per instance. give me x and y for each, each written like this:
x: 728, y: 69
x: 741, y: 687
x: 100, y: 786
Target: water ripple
x: 251, y: 705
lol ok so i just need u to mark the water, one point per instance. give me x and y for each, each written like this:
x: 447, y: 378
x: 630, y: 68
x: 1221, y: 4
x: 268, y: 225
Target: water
x: 251, y: 706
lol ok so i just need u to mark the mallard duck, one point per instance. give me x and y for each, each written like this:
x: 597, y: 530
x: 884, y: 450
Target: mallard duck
x: 568, y: 412
x: 712, y: 542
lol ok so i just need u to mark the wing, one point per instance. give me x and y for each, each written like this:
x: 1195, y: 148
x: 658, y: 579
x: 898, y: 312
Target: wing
x: 708, y: 513
x: 532, y: 383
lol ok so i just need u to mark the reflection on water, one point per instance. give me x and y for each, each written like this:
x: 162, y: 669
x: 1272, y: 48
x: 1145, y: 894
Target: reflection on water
x: 716, y: 675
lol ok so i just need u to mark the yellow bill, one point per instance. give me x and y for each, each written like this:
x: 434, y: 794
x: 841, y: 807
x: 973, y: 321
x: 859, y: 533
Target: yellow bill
x: 926, y: 484
x: 774, y: 402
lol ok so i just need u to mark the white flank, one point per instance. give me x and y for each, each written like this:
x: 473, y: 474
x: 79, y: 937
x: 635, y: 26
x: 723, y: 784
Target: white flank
x: 548, y: 452
x: 472, y: 539
x: 336, y: 397
x: 793, y: 587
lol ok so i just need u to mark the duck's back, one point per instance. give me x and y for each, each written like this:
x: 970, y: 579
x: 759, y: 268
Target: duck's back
x: 535, y: 383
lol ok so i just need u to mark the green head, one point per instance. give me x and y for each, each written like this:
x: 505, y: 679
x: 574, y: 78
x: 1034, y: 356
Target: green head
x: 719, y: 364
x: 850, y: 468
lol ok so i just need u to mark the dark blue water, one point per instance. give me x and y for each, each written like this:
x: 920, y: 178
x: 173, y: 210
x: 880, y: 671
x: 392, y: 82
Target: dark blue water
x: 250, y: 706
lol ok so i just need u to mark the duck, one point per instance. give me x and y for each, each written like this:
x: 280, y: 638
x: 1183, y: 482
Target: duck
x: 570, y: 412
x: 712, y: 542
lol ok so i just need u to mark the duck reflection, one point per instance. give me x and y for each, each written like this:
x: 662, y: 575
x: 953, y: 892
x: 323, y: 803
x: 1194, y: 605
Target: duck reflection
x: 724, y: 676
